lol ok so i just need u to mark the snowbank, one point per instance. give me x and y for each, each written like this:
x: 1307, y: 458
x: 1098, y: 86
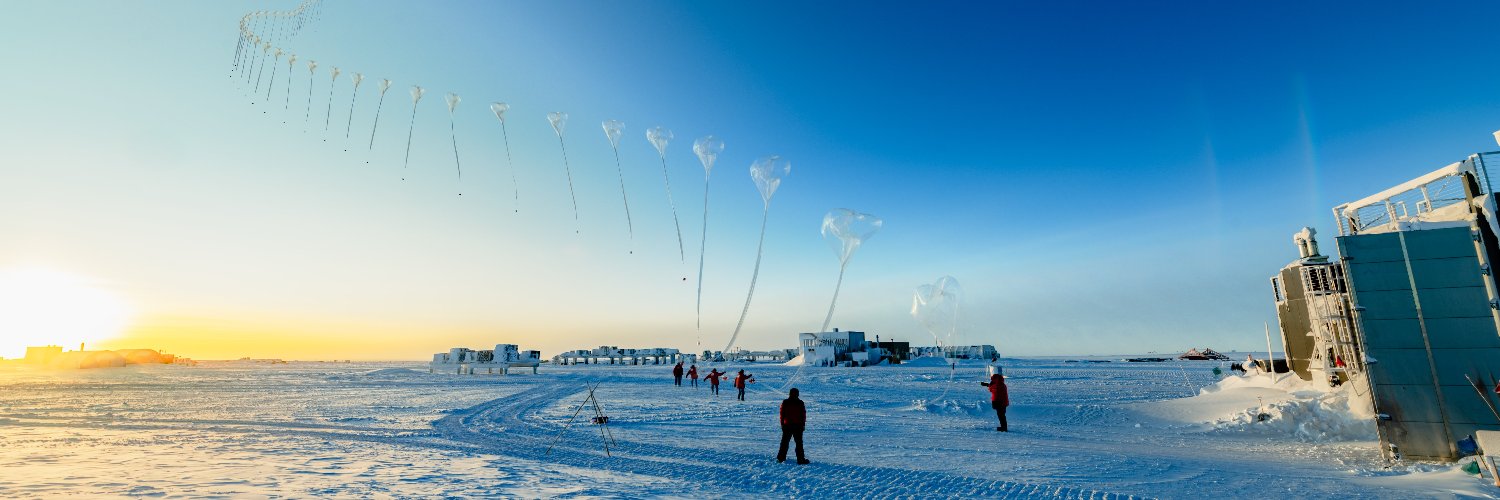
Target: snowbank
x: 797, y: 361
x: 1284, y: 406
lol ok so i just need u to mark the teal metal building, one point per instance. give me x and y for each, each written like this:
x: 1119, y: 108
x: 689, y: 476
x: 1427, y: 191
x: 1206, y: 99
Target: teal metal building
x: 1417, y: 261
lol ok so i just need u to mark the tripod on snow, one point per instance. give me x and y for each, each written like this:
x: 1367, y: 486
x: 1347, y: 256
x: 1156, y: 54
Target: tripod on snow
x: 600, y: 419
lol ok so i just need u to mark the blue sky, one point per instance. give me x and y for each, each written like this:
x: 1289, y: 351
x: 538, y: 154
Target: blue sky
x: 1101, y: 177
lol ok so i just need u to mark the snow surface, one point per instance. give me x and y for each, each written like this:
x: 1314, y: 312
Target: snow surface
x: 1079, y: 430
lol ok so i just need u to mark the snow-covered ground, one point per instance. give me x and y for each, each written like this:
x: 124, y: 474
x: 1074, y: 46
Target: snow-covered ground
x: 1078, y: 430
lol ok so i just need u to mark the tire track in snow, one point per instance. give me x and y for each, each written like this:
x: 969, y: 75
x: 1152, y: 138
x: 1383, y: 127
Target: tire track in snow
x: 513, y: 426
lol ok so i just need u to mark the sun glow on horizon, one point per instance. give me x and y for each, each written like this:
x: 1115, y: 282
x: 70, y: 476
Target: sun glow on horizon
x: 40, y: 306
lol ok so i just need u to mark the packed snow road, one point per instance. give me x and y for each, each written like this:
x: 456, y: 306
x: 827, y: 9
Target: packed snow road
x: 1079, y: 430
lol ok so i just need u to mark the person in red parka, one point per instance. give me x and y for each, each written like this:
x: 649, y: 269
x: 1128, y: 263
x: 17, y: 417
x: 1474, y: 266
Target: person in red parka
x: 677, y: 374
x: 740, y: 381
x: 693, y: 374
x: 713, y: 380
x: 999, y: 399
x: 793, y: 422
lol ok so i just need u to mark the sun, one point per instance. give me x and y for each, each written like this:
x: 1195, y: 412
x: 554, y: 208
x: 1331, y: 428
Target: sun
x: 41, y: 306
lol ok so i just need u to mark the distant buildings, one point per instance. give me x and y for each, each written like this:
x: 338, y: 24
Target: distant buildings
x: 615, y: 355
x: 835, y: 348
x: 1205, y: 355
x: 54, y: 357
x: 956, y: 351
x: 838, y: 348
x: 850, y: 348
x: 467, y: 361
x: 42, y: 354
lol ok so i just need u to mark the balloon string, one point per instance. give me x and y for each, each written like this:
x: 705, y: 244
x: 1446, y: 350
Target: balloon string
x: 238, y: 46
x: 286, y: 102
x: 456, y: 165
x: 307, y: 113
x: 259, y: 73
x: 702, y: 245
x: 759, y: 247
x: 379, y: 104
x: 569, y: 171
x: 629, y: 225
x: 681, y: 256
x: 328, y: 114
x: 826, y: 320
x: 273, y: 81
x: 508, y: 163
x: 840, y: 284
x: 262, y: 72
x: 249, y: 62
x: 348, y: 126
x: 409, y: 127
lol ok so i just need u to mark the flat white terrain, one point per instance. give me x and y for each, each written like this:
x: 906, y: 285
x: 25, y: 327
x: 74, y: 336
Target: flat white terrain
x: 1078, y: 430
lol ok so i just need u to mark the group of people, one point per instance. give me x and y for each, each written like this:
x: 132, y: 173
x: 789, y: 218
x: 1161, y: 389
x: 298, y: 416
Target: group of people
x: 712, y: 377
x: 793, y: 411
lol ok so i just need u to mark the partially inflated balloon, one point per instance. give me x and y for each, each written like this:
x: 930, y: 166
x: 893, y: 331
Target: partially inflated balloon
x: 936, y: 307
x: 845, y: 230
x: 416, y: 95
x: 767, y: 173
x: 612, y: 131
x: 499, y: 109
x: 385, y: 84
x: 708, y: 148
x: 659, y: 138
x: 559, y: 121
x: 453, y: 100
x: 349, y: 123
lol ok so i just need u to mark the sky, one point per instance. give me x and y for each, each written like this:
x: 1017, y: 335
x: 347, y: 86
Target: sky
x: 1101, y: 177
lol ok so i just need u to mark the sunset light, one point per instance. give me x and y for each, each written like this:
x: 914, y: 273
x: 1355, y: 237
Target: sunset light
x: 41, y: 306
x: 754, y: 250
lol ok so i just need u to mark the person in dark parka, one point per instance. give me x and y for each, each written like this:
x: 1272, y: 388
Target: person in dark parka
x: 999, y: 399
x: 677, y: 374
x: 793, y: 422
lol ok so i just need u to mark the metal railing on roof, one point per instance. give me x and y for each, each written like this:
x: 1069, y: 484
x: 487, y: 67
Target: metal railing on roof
x: 1416, y: 200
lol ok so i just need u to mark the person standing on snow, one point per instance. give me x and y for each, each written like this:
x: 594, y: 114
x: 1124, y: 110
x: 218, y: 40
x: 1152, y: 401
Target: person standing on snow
x: 740, y: 381
x: 793, y: 422
x: 999, y: 399
x: 693, y: 375
x: 677, y: 374
x: 713, y: 380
